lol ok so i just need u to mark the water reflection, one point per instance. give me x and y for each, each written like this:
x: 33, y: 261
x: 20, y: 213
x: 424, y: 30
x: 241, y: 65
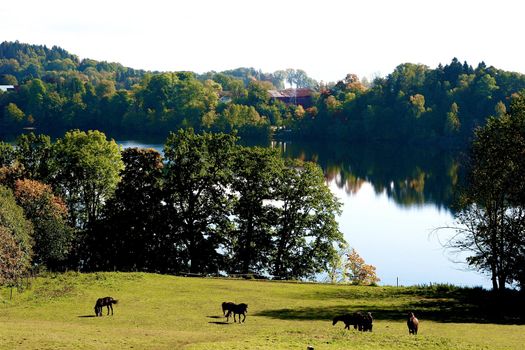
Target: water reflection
x: 410, y: 176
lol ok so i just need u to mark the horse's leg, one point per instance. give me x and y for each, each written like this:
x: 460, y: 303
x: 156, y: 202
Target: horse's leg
x: 244, y: 319
x: 107, y: 306
x: 111, y: 306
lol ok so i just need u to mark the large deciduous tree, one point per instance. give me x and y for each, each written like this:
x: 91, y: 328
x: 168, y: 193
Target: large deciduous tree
x: 307, y: 229
x: 255, y: 180
x: 16, y: 241
x: 48, y: 213
x: 492, y: 211
x: 85, y: 171
x: 34, y: 153
x: 197, y: 179
x: 132, y: 235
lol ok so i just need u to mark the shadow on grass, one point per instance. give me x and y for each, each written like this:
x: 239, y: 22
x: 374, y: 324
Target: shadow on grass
x: 86, y: 316
x: 219, y: 322
x: 459, y: 306
x: 215, y: 316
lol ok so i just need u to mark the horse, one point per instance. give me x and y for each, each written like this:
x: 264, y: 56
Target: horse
x: 237, y: 309
x: 226, y: 307
x: 367, y: 322
x: 360, y: 320
x: 101, y: 302
x: 412, y: 323
x: 348, y: 320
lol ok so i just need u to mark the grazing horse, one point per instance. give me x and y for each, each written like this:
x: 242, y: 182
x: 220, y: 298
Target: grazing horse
x: 226, y: 307
x: 367, y: 322
x: 412, y: 323
x: 348, y: 320
x: 237, y: 309
x: 101, y: 302
x: 360, y: 320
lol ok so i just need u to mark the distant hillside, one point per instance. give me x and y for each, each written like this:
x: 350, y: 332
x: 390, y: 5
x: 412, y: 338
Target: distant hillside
x: 55, y: 92
x: 24, y: 61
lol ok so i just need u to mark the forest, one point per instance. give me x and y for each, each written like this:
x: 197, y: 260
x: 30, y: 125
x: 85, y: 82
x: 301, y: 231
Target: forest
x: 56, y: 91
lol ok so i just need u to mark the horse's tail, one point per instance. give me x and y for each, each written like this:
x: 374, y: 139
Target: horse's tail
x: 114, y: 301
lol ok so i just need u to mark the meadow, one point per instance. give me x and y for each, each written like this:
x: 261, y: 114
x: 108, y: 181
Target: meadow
x: 168, y: 312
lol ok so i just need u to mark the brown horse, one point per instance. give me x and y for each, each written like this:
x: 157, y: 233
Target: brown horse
x: 412, y: 323
x: 101, y: 302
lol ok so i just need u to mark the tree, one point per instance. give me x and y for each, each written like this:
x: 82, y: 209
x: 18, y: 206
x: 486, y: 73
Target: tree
x: 337, y: 271
x: 452, y: 123
x: 236, y: 117
x: 492, y: 205
x: 12, y: 261
x: 7, y: 154
x: 133, y: 234
x: 417, y: 105
x: 34, y: 153
x: 306, y: 228
x: 256, y: 171
x: 359, y: 272
x: 198, y: 173
x: 14, y: 117
x: 14, y: 224
x: 85, y: 171
x: 48, y: 214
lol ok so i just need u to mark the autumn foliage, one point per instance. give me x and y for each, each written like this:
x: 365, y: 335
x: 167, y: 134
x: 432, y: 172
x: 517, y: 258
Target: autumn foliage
x: 359, y: 272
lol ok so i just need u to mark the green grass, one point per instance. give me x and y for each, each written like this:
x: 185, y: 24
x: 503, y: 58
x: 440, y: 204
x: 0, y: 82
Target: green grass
x: 166, y: 312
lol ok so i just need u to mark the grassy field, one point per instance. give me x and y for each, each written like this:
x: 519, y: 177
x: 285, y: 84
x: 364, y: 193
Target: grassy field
x: 166, y: 312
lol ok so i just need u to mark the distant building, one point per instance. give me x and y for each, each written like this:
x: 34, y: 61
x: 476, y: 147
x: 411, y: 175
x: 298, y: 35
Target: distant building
x: 6, y: 87
x: 296, y: 97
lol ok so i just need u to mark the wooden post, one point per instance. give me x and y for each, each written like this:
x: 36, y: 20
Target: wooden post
x: 397, y: 281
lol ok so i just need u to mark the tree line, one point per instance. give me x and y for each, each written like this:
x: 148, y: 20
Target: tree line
x: 207, y: 205
x: 414, y: 104
x: 57, y: 92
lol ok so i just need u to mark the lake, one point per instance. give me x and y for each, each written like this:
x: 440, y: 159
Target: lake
x: 393, y: 200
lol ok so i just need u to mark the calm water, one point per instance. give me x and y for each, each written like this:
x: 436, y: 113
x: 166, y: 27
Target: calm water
x: 393, y: 198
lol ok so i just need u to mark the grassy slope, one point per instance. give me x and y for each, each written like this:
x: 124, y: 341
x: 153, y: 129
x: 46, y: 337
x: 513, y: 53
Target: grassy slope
x: 165, y: 312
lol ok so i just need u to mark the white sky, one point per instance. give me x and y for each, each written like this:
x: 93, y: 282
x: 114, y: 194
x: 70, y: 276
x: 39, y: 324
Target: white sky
x: 326, y: 38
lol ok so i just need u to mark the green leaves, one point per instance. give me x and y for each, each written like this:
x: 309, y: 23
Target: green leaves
x: 493, y: 203
x: 85, y: 170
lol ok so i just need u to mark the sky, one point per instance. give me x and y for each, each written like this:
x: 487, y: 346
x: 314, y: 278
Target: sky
x: 328, y: 39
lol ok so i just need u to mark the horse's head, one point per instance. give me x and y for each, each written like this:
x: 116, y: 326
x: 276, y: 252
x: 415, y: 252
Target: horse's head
x: 335, y: 321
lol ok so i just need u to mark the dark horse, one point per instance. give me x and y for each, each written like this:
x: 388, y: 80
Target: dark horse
x: 101, y: 302
x: 360, y: 320
x: 226, y: 307
x: 237, y: 309
x: 348, y: 320
x: 412, y: 323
